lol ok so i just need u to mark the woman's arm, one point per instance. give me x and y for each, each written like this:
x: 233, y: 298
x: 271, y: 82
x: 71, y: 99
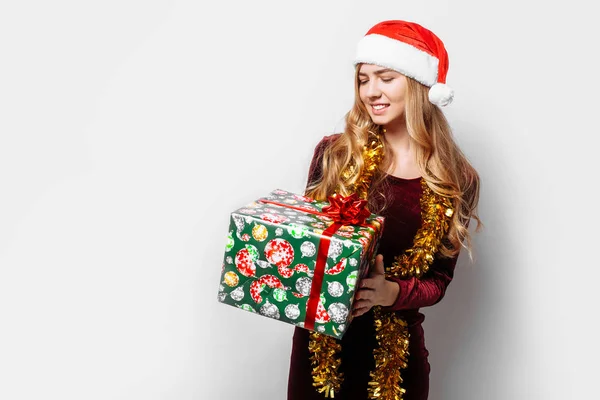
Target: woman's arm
x: 402, y: 294
x: 427, y: 291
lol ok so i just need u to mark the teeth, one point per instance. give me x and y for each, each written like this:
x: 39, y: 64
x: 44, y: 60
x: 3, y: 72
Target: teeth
x: 379, y: 107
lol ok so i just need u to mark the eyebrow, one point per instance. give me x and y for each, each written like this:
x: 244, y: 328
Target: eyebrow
x: 378, y: 72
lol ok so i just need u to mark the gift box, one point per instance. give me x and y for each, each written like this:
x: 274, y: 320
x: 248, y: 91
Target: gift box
x: 298, y: 260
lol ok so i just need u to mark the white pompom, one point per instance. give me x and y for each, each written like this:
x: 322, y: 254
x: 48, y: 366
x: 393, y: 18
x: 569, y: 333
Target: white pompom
x: 441, y: 94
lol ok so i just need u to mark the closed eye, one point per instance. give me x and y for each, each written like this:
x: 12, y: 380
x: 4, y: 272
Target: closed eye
x: 388, y: 80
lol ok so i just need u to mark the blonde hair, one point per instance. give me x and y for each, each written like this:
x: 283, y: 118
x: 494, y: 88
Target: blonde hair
x: 441, y: 163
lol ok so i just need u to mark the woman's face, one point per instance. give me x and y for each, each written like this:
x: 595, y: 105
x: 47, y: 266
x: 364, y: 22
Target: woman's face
x: 382, y: 91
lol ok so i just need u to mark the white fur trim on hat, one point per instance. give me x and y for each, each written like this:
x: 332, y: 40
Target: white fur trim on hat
x: 399, y: 56
x: 441, y: 94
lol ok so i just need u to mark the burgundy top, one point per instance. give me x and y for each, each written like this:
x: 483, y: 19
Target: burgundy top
x: 402, y: 220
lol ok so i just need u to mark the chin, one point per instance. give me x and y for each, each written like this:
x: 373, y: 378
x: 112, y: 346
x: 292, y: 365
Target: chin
x: 380, y: 119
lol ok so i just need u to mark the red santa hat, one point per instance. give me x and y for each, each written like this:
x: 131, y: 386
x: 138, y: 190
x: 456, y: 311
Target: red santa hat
x: 412, y: 50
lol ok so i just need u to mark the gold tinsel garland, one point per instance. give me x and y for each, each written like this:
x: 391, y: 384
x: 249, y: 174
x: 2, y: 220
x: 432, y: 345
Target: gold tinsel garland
x: 392, y: 336
x: 326, y: 377
x: 391, y: 331
x: 372, y: 156
x: 436, y: 212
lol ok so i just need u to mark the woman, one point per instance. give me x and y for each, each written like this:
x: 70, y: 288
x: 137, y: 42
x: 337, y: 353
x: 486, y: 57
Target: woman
x: 396, y: 151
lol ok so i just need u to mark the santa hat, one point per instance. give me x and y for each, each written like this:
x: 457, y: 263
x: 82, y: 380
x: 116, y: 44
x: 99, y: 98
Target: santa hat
x: 412, y: 50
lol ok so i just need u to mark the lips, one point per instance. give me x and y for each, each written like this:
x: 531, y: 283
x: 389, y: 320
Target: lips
x: 379, y: 108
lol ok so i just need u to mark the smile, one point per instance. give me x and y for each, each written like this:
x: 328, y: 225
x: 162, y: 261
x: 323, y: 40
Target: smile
x: 379, y: 108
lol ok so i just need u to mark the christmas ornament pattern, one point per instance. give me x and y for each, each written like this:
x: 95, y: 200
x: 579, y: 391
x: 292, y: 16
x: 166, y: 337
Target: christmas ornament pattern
x: 271, y: 254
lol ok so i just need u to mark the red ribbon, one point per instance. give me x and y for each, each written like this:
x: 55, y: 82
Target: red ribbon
x: 348, y: 210
x: 317, y: 282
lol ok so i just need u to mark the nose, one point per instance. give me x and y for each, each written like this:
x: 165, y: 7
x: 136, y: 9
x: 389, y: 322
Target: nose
x: 373, y: 89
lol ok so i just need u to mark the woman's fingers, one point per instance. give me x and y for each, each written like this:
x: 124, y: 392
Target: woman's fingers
x: 379, y: 269
x: 360, y: 311
x: 367, y: 283
x: 369, y: 289
x: 364, y: 294
x: 362, y: 304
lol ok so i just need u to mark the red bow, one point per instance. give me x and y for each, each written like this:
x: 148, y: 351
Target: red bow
x: 349, y: 210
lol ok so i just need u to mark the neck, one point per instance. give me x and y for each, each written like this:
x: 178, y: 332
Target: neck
x: 404, y: 163
x: 397, y: 138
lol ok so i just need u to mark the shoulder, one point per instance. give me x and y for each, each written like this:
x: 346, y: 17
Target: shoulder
x: 325, y: 142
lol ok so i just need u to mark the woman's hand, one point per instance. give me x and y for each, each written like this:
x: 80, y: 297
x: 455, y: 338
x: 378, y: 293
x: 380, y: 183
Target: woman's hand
x: 375, y: 290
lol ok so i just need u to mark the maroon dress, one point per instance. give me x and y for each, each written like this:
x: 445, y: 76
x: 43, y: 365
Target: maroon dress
x: 402, y: 220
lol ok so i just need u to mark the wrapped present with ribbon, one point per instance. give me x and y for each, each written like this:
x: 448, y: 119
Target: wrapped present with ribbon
x: 298, y: 260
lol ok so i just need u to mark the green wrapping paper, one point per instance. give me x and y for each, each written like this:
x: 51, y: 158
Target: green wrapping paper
x: 272, y: 253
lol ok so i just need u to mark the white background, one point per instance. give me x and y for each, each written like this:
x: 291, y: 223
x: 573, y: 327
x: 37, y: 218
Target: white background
x: 130, y: 129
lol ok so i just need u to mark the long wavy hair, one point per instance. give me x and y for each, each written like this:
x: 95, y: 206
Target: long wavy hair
x: 441, y: 163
